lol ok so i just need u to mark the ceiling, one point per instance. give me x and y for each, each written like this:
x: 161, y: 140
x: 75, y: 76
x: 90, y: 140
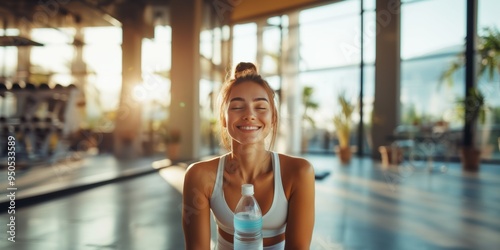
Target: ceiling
x: 28, y: 14
x: 245, y: 10
x: 68, y: 13
x: 92, y: 13
x: 57, y: 14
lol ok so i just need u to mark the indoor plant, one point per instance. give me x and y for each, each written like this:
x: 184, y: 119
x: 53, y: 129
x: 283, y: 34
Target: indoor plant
x: 309, y: 105
x: 171, y: 137
x: 342, y: 121
x: 473, y: 104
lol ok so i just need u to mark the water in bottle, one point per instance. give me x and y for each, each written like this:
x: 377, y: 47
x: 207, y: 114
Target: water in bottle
x: 247, y: 221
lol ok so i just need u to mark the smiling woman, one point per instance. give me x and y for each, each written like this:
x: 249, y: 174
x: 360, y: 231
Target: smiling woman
x: 283, y: 185
x: 230, y: 102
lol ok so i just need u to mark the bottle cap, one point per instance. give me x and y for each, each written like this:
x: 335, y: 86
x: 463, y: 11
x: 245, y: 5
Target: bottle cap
x: 247, y: 189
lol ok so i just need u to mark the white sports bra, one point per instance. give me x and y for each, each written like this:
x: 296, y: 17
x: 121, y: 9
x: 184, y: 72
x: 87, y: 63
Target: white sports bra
x: 273, y: 222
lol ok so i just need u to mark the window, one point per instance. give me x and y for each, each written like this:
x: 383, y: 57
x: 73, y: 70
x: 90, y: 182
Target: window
x: 490, y: 87
x: 244, y: 43
x: 428, y: 47
x: 52, y: 62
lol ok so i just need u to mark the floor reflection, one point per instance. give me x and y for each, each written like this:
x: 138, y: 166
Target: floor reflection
x: 359, y: 206
x: 134, y: 214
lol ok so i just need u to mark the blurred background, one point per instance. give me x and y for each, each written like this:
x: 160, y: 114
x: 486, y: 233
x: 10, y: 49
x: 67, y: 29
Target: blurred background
x: 111, y: 86
x: 121, y: 57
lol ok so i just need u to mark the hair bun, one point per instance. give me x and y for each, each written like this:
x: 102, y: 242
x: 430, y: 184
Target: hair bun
x: 245, y: 68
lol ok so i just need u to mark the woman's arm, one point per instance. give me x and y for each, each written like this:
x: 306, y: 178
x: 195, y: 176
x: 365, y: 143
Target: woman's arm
x: 300, y: 221
x: 196, y: 209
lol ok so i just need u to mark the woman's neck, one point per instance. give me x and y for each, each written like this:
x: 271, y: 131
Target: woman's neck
x: 250, y: 162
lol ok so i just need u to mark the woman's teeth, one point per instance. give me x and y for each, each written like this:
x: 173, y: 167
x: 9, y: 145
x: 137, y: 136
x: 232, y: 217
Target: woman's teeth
x: 249, y: 128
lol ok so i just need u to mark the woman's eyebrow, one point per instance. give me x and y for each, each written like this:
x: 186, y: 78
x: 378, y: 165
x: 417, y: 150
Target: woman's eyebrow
x: 242, y: 100
x: 260, y: 99
x: 237, y: 99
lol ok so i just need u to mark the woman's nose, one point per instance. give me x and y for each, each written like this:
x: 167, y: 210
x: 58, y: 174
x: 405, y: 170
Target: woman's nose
x: 249, y: 115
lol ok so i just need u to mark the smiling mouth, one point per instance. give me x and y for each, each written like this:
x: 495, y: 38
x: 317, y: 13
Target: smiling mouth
x: 249, y: 128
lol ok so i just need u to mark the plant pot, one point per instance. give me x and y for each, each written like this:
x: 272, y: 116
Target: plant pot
x: 470, y: 158
x: 173, y: 151
x: 345, y: 154
x: 390, y: 155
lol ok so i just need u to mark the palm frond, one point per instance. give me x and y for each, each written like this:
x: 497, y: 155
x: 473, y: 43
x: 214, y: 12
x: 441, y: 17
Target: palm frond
x: 447, y: 75
x: 489, y: 52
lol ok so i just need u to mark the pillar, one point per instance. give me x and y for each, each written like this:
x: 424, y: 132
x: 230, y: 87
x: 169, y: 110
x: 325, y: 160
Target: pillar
x: 186, y: 16
x: 387, y: 73
x: 291, y: 89
x: 128, y: 129
x: 470, y: 71
x: 23, y: 55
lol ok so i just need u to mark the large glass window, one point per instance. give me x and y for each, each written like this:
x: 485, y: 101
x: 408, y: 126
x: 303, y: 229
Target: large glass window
x: 51, y: 63
x: 489, y: 135
x: 244, y: 43
x: 156, y: 64
x: 8, y: 56
x: 211, y: 36
x: 440, y: 31
x: 329, y: 35
x: 330, y: 56
x: 429, y: 48
x: 369, y: 34
x: 326, y: 85
x: 272, y: 43
x: 102, y: 55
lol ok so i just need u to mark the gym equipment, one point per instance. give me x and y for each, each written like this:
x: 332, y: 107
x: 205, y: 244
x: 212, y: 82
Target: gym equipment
x: 39, y: 119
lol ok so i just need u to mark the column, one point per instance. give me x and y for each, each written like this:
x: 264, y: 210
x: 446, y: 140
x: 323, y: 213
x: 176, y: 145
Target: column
x: 23, y: 55
x: 387, y: 73
x: 291, y: 89
x: 128, y: 129
x: 185, y: 18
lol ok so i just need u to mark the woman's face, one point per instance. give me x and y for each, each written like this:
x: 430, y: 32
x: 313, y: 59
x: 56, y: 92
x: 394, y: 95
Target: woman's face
x: 249, y: 113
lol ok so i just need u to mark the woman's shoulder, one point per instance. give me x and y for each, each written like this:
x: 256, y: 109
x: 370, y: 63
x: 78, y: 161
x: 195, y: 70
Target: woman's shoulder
x: 295, y: 165
x: 295, y: 172
x: 202, y: 175
x: 203, y: 167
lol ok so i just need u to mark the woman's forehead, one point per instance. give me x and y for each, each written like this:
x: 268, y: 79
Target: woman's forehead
x: 248, y: 89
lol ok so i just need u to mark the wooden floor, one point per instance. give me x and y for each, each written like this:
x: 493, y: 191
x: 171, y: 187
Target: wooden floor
x: 358, y: 206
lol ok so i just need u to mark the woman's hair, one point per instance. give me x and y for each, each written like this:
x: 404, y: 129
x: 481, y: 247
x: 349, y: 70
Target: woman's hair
x: 245, y: 72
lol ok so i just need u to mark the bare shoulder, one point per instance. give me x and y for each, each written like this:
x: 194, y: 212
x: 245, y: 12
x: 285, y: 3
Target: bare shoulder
x: 202, y: 167
x: 295, y: 172
x: 202, y: 174
x: 295, y: 165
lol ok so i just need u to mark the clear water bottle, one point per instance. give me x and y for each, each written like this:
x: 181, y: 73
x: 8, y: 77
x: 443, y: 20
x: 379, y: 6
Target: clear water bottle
x: 247, y: 221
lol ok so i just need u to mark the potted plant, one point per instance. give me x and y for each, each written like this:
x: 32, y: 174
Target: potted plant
x: 473, y: 105
x: 171, y: 137
x: 474, y: 102
x: 342, y: 121
x: 309, y: 106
